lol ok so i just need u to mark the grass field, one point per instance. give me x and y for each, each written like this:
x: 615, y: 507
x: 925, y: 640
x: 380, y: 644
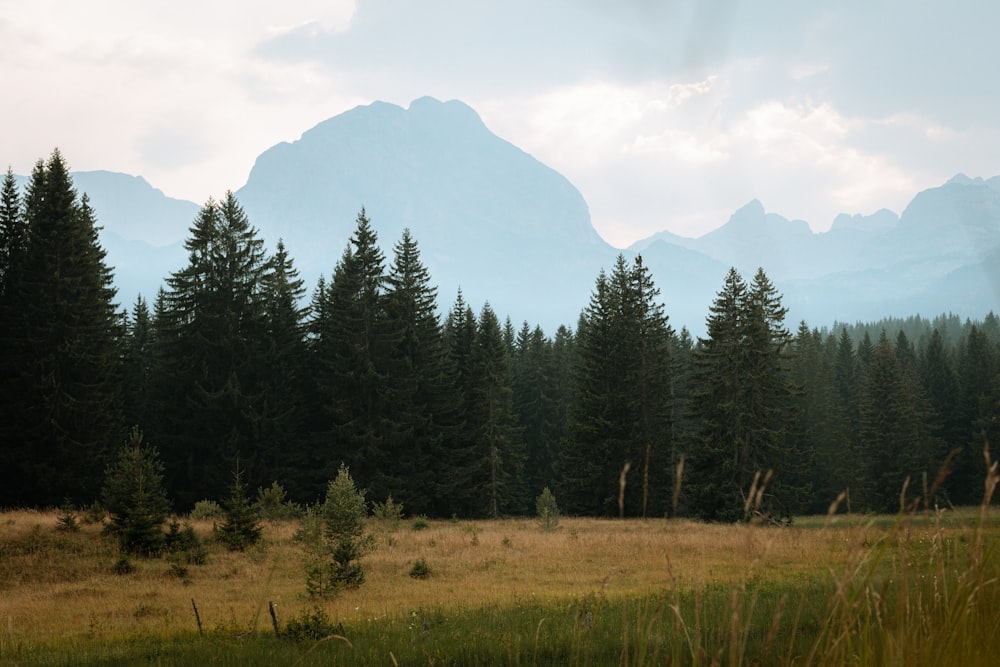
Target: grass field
x: 921, y: 588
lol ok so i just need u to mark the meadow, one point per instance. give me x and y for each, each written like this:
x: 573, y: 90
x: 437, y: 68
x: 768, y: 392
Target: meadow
x: 920, y: 588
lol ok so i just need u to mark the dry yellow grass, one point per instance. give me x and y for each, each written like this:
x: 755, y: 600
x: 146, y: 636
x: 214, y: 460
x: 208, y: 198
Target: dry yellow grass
x: 61, y: 585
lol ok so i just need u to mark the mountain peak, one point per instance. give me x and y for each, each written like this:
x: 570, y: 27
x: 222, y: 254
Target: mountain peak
x: 753, y: 208
x: 469, y: 197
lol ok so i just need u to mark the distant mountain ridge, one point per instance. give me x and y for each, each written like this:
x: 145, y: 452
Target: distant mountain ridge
x: 937, y: 256
x: 494, y: 221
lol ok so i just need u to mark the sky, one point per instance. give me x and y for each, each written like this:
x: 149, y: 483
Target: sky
x: 665, y: 114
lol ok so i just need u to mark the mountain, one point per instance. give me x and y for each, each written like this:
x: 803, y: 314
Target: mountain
x: 488, y: 217
x: 492, y: 220
x: 940, y: 255
x: 142, y: 229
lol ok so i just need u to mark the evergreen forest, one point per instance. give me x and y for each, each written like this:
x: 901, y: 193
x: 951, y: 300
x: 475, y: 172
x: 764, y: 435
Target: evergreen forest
x: 237, y: 364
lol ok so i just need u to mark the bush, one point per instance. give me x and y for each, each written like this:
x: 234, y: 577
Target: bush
x: 548, y: 511
x: 134, y: 497
x: 420, y: 523
x: 185, y: 544
x: 67, y: 521
x: 309, y: 626
x: 389, y: 512
x: 272, y: 504
x: 207, y: 509
x: 337, y: 538
x: 123, y: 566
x: 420, y: 569
x: 94, y: 513
x: 241, y: 527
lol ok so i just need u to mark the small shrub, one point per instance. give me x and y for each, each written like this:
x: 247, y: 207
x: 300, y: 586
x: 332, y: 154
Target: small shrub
x: 123, y: 566
x: 507, y: 542
x: 420, y: 523
x: 67, y: 521
x: 547, y: 510
x: 309, y: 626
x: 337, y: 539
x: 420, y: 569
x: 94, y: 513
x: 389, y: 512
x: 241, y: 527
x: 178, y: 569
x: 207, y: 509
x: 185, y: 544
x: 135, y: 498
x: 273, y: 504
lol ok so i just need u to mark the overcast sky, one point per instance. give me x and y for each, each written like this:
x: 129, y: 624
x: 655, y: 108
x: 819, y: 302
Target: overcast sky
x: 666, y: 114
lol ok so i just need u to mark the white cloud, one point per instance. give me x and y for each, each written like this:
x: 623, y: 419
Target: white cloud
x: 658, y: 128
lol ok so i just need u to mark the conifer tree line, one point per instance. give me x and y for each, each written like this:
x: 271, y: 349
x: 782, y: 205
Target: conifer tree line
x: 236, y: 363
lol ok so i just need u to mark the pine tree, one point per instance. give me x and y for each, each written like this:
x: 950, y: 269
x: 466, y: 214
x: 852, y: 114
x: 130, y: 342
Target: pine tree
x: 241, y: 527
x: 60, y: 398
x: 741, y: 404
x: 353, y: 381
x: 537, y: 401
x: 620, y: 417
x: 492, y: 419
x: 893, y: 436
x: 211, y: 338
x: 977, y: 368
x: 821, y: 427
x: 283, y: 434
x: 134, y: 497
x: 137, y: 358
x: 13, y: 234
x: 718, y: 476
x: 421, y: 398
x: 460, y: 467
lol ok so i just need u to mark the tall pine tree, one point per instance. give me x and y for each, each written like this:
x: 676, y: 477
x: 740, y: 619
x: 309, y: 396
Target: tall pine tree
x: 620, y: 416
x: 741, y: 404
x: 61, y: 411
x: 211, y: 338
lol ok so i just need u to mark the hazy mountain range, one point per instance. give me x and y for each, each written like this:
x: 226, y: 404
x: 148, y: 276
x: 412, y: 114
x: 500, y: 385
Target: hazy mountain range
x: 503, y: 227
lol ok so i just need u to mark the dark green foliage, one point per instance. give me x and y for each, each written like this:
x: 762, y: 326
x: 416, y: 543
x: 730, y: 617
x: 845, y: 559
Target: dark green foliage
x: 465, y: 417
x: 272, y: 504
x: 492, y: 423
x: 59, y: 402
x: 741, y: 403
x: 420, y: 569
x: 211, y: 344
x: 547, y: 510
x: 338, y: 539
x: 421, y: 397
x: 352, y: 343
x: 894, y: 438
x: 820, y: 425
x: 137, y: 364
x: 390, y: 512
x: 67, y: 521
x: 978, y: 364
x: 241, y: 526
x: 541, y: 385
x: 621, y: 409
x: 283, y: 448
x: 310, y: 626
x: 207, y: 509
x: 184, y: 544
x: 123, y: 566
x: 135, y: 498
x: 13, y: 234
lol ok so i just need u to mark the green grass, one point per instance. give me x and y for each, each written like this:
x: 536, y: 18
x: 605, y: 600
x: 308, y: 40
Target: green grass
x: 915, y: 589
x: 757, y: 622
